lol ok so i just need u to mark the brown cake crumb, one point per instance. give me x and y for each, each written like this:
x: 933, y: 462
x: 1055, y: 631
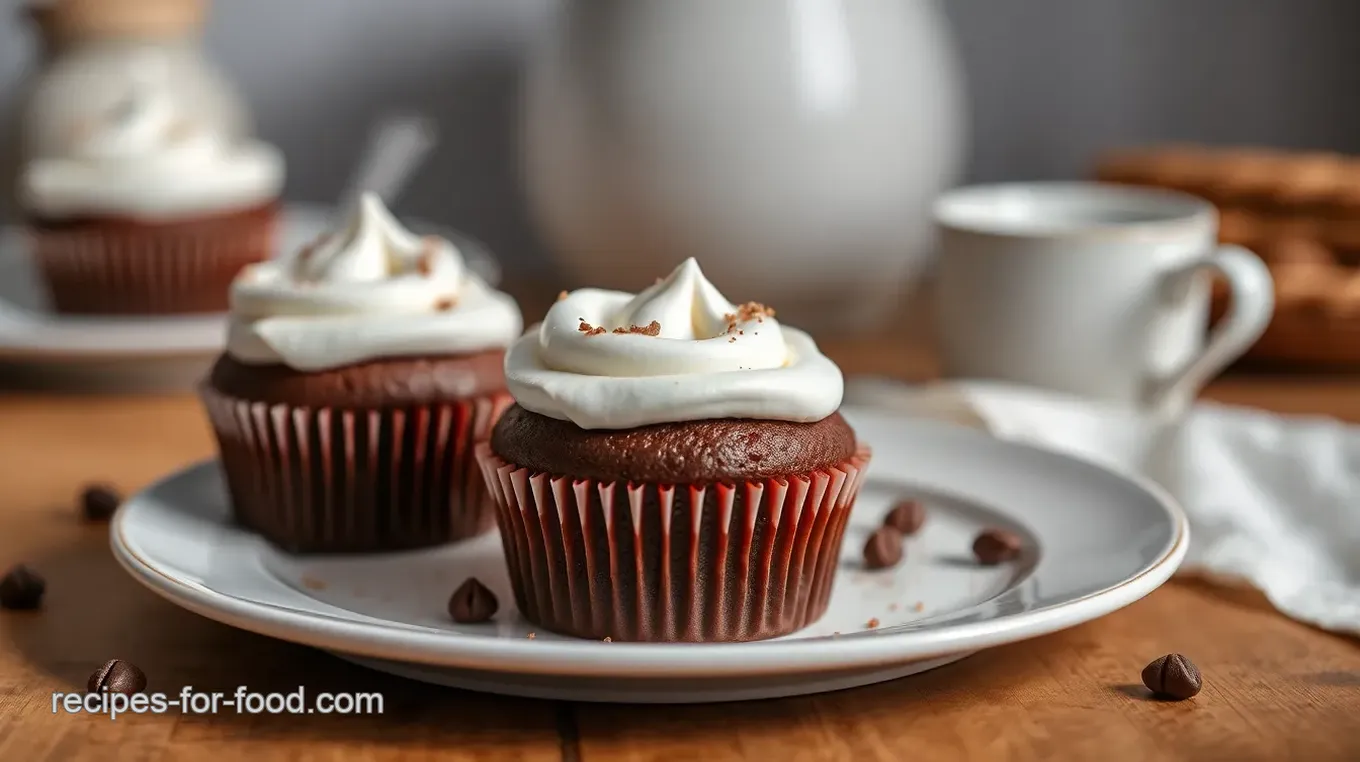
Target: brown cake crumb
x: 732, y: 340
x: 651, y: 329
x: 589, y: 329
x: 531, y: 635
x: 919, y: 606
x: 872, y: 623
x: 561, y: 295
x: 746, y: 312
x: 312, y: 583
x: 608, y: 639
x: 445, y: 303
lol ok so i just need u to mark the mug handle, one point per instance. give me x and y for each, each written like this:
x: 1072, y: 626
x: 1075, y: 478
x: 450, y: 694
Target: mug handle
x: 1250, y: 308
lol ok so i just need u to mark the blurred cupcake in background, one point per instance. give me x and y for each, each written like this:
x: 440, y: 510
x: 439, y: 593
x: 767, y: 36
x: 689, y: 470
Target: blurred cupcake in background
x: 358, y: 377
x: 140, y: 184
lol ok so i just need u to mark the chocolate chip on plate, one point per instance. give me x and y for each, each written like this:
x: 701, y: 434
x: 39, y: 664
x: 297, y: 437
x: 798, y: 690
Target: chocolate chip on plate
x: 906, y: 517
x: 995, y: 546
x: 99, y: 502
x: 22, y: 588
x: 1173, y: 676
x: 117, y: 676
x: 884, y: 548
x: 472, y: 602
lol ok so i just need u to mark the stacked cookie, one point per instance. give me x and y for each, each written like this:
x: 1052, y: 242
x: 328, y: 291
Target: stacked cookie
x: 1299, y: 211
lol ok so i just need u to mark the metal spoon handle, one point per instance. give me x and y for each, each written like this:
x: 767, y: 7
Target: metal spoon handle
x: 396, y: 148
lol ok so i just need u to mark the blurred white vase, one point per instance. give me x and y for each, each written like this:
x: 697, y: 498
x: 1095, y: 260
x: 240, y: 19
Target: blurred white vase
x: 793, y: 146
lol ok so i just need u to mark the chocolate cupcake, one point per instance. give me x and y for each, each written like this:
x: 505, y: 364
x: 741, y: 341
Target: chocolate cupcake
x: 358, y: 377
x: 675, y: 468
x: 148, y: 210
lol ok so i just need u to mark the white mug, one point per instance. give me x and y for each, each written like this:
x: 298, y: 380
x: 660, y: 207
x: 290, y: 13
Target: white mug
x: 1092, y: 289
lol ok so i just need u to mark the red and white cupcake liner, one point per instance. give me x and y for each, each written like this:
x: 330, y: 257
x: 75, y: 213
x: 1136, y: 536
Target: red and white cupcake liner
x: 146, y: 271
x: 650, y: 562
x: 328, y: 480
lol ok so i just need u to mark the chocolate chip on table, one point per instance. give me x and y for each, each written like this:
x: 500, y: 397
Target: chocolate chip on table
x: 996, y: 546
x: 22, y: 588
x: 1173, y: 676
x: 99, y: 502
x: 472, y: 602
x: 117, y: 676
x: 906, y: 517
x: 884, y: 548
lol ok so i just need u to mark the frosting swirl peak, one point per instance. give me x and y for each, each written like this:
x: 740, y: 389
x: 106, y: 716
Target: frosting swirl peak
x: 677, y: 351
x: 680, y: 325
x: 372, y: 290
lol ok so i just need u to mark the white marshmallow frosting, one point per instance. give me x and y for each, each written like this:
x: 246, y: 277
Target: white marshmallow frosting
x: 374, y: 290
x: 143, y: 158
x: 678, y: 351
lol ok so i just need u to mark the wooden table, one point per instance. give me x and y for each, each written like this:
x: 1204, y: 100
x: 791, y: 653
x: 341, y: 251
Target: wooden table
x: 1276, y: 689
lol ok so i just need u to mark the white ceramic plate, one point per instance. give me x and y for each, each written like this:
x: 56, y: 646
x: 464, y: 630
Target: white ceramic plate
x: 30, y: 331
x: 1096, y: 542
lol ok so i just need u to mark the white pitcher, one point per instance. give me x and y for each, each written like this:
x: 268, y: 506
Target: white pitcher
x: 793, y: 146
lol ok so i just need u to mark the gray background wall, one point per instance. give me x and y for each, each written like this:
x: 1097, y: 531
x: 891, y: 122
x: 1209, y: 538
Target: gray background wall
x: 1051, y: 82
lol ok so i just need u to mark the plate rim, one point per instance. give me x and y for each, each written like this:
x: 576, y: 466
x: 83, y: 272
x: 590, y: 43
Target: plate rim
x: 570, y: 657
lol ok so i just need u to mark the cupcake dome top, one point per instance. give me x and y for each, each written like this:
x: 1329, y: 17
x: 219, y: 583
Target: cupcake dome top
x: 677, y: 351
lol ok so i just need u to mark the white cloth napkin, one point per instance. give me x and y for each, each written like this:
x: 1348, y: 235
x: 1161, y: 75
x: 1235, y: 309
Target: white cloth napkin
x: 1273, y: 501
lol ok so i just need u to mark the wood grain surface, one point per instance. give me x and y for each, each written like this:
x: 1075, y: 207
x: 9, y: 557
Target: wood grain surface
x: 1275, y: 689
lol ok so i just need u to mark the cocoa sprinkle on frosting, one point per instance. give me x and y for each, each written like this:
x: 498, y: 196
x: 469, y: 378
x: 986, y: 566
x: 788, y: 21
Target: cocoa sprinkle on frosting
x: 651, y: 329
x: 425, y: 265
x: 589, y: 329
x: 747, y: 312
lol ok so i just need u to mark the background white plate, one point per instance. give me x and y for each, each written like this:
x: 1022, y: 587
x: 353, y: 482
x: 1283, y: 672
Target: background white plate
x: 1097, y: 541
x: 29, y: 330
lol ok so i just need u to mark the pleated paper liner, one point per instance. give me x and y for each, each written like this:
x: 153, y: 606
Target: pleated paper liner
x: 179, y: 269
x: 330, y: 480
x: 648, y: 562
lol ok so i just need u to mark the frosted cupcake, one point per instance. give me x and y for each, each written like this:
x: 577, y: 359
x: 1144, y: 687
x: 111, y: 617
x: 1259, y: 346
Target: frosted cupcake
x: 675, y: 468
x: 147, y: 210
x: 358, y: 377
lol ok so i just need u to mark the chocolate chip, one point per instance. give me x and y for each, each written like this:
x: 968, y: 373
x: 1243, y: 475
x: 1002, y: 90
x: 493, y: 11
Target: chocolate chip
x: 472, y: 602
x: 1173, y: 676
x: 995, y: 546
x: 99, y: 501
x: 117, y: 676
x: 884, y: 549
x: 906, y: 517
x: 22, y: 588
